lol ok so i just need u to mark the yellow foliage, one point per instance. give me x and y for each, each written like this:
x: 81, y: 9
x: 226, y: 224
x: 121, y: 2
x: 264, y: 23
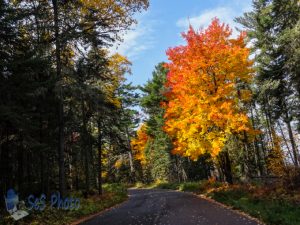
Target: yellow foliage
x: 275, y: 162
x: 118, y: 164
x: 104, y: 174
x: 113, y: 13
x: 138, y: 144
x: 205, y: 98
x: 118, y: 67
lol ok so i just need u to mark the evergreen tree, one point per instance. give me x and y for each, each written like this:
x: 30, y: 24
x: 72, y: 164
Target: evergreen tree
x: 159, y: 146
x: 269, y: 26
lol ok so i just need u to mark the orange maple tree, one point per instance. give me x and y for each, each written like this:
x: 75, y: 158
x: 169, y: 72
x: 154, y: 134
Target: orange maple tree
x: 207, y: 84
x: 139, y: 143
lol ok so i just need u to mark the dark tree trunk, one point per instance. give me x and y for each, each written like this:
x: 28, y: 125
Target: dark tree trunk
x: 258, y: 156
x: 287, y: 120
x: 132, y: 169
x: 20, y: 166
x: 286, y: 142
x: 269, y: 121
x: 85, y: 149
x: 42, y: 169
x: 99, y: 159
x: 61, y: 163
x: 261, y: 141
x: 292, y: 140
x: 47, y: 182
x: 225, y: 164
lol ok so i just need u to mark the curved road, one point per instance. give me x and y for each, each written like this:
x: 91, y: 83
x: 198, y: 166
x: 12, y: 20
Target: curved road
x: 167, y: 207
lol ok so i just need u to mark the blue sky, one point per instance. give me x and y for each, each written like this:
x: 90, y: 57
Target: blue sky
x: 161, y: 25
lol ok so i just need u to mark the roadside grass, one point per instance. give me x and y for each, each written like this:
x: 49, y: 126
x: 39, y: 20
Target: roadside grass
x: 273, y: 211
x: 188, y: 186
x: 272, y: 206
x: 113, y: 194
x: 197, y: 187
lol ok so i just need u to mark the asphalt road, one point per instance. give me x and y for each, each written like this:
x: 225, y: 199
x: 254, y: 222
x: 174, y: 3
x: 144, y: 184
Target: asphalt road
x: 166, y: 207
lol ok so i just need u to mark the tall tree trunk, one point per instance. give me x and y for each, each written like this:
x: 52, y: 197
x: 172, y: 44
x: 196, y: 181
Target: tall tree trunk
x: 47, y: 182
x: 130, y: 154
x: 84, y: 148
x: 132, y: 170
x: 269, y: 121
x: 41, y: 154
x: 258, y: 156
x: 246, y: 156
x: 131, y: 162
x: 225, y: 164
x: 287, y: 120
x: 77, y: 162
x: 99, y: 158
x: 20, y: 166
x: 61, y: 166
x: 285, y: 142
x: 292, y: 140
x: 93, y: 170
x: 261, y: 140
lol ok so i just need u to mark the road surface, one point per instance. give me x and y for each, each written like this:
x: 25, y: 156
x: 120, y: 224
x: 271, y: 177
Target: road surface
x: 167, y: 207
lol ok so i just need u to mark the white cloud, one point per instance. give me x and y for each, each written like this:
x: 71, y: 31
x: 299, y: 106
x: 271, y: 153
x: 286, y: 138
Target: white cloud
x: 135, y: 41
x: 224, y: 14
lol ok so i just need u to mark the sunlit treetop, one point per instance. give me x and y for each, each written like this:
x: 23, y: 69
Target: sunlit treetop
x: 207, y: 85
x: 111, y: 15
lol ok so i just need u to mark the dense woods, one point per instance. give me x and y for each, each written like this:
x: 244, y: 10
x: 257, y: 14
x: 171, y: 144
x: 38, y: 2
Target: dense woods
x: 65, y: 103
x: 222, y: 107
x: 227, y: 107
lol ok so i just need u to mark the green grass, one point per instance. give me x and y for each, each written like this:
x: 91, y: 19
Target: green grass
x: 113, y: 194
x: 165, y: 185
x: 197, y: 187
x: 188, y: 186
x: 271, y: 211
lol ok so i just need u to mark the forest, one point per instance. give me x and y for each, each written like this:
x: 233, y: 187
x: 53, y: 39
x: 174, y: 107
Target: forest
x: 223, y: 108
x: 226, y: 107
